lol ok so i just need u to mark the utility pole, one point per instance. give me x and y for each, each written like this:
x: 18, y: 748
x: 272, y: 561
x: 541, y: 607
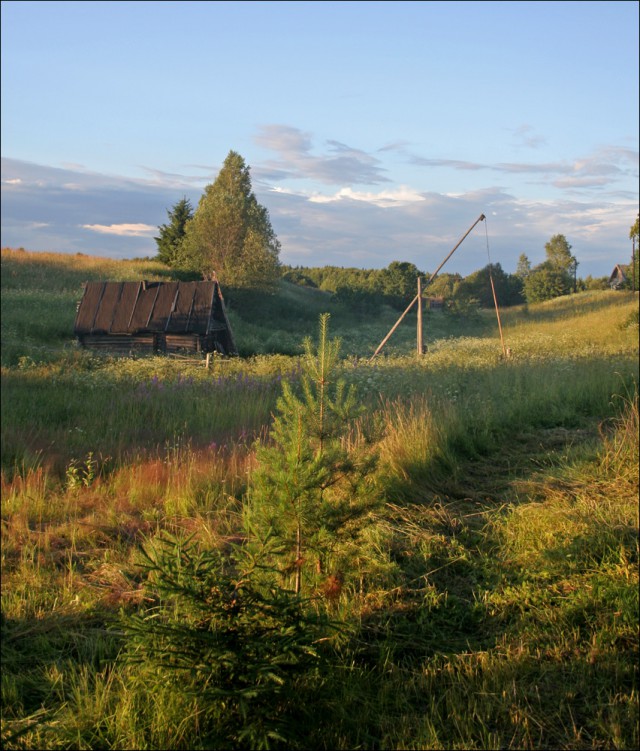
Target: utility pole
x: 633, y: 264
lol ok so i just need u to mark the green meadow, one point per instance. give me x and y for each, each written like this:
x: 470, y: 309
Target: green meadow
x: 473, y: 586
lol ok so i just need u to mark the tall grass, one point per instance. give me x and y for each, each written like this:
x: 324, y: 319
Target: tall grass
x: 54, y: 416
x: 40, y: 292
x: 510, y: 521
x: 519, y: 626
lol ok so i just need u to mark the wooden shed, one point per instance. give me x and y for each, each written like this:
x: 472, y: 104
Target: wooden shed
x: 154, y: 317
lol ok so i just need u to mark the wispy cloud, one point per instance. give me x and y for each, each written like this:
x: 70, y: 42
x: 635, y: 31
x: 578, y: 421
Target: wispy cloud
x: 455, y: 164
x: 180, y: 181
x: 604, y: 167
x: 525, y: 136
x: 339, y: 165
x: 123, y: 230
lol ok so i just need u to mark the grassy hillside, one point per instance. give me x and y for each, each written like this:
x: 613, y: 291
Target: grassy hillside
x: 490, y: 601
x: 40, y: 292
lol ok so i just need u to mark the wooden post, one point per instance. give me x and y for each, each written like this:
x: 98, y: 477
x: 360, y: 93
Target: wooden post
x: 420, y: 339
x: 395, y: 326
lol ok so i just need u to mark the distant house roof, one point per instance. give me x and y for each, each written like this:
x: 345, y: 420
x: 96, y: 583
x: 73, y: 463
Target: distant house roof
x: 132, y: 308
x: 618, y: 277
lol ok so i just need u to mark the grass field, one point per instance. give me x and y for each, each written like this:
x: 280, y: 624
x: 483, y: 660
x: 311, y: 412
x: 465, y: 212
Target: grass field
x: 490, y: 600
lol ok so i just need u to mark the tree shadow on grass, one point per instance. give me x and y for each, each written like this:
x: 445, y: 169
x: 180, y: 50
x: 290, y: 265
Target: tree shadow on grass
x: 480, y: 650
x: 36, y: 653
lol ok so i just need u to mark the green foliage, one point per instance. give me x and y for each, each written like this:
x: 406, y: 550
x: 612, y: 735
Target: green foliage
x: 444, y: 285
x: 230, y: 234
x: 554, y: 277
x: 546, y: 282
x: 171, y: 235
x: 634, y: 236
x: 463, y: 308
x: 311, y: 495
x: 364, y: 290
x: 358, y: 299
x: 400, y: 282
x: 232, y: 650
x: 367, y: 291
x: 477, y: 286
x: 524, y: 266
x: 558, y: 252
x: 329, y: 278
x: 590, y: 283
x: 81, y: 474
x: 299, y: 277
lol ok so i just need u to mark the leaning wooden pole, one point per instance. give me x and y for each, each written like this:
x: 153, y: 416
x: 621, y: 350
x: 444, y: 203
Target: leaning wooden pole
x: 431, y: 278
x: 481, y: 218
x: 420, y: 341
x: 397, y: 323
x: 495, y: 302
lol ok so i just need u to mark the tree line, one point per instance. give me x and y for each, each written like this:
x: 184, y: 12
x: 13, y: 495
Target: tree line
x: 229, y: 236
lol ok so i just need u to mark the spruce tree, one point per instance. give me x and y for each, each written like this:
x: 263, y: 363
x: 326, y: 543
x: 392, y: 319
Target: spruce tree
x: 229, y: 652
x: 312, y: 496
x: 171, y: 235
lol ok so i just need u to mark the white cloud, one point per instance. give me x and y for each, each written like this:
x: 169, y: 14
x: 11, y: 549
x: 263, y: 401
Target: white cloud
x: 346, y: 226
x: 123, y: 230
x: 384, y: 198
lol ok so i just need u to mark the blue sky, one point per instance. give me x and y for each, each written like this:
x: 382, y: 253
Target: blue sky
x: 375, y: 131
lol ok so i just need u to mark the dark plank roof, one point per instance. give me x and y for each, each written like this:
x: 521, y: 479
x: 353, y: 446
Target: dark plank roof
x: 154, y: 307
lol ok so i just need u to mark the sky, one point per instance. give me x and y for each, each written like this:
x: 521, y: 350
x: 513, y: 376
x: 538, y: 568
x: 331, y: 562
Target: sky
x: 374, y: 131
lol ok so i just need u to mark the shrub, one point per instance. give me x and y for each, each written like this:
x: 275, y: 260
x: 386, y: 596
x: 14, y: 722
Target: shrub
x: 229, y: 651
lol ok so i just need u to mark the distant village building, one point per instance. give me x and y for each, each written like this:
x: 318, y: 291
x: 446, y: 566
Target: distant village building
x: 129, y: 317
x: 618, y: 278
x: 435, y: 303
